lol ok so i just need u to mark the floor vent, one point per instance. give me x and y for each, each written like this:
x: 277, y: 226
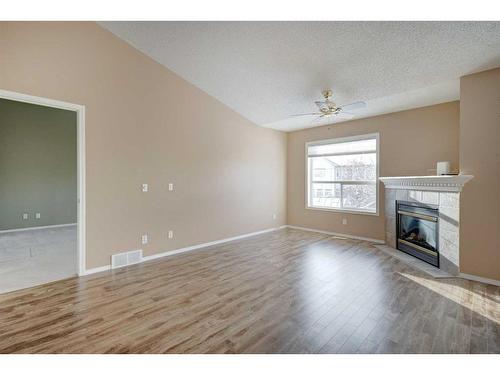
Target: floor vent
x: 125, y: 259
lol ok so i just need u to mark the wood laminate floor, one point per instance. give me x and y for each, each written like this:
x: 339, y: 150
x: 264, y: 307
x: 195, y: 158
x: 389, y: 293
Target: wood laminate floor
x: 288, y: 291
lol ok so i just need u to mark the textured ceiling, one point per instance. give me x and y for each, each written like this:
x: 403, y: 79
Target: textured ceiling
x: 267, y: 71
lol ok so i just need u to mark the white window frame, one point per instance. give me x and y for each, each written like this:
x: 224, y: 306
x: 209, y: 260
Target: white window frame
x: 308, y: 172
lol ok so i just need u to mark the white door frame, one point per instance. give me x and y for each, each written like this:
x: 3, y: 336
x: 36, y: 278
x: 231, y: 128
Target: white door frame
x: 80, y: 126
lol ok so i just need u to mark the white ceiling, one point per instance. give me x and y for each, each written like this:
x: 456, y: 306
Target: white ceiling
x: 267, y: 71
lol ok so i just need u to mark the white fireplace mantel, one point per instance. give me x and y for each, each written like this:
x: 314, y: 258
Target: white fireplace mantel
x: 432, y: 183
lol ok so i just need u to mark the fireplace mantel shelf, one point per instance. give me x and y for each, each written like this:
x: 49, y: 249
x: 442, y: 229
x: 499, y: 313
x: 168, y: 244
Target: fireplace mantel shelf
x: 432, y: 183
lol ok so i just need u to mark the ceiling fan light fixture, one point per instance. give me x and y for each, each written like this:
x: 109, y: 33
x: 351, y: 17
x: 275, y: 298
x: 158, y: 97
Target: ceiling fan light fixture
x: 327, y: 94
x: 328, y: 107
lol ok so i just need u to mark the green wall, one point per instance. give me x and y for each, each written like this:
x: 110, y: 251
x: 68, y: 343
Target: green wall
x: 38, y: 165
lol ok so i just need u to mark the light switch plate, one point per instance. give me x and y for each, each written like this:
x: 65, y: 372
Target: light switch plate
x: 144, y: 239
x: 145, y: 188
x: 170, y: 234
x: 344, y: 221
x: 38, y: 215
x: 25, y: 216
x: 171, y: 187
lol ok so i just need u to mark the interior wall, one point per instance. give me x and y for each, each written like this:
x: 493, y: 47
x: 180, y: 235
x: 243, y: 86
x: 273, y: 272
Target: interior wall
x: 144, y: 124
x: 480, y: 156
x: 38, y: 171
x: 411, y: 142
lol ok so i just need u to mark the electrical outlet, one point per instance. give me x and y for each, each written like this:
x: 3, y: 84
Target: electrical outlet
x: 145, y: 188
x: 144, y: 239
x: 25, y: 216
x: 274, y: 216
x: 38, y: 215
x: 170, y: 234
x: 344, y: 221
x: 170, y: 186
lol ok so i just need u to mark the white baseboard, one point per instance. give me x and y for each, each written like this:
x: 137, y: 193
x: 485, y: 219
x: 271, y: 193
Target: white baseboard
x: 96, y: 270
x: 462, y: 275
x: 374, y: 240
x: 480, y: 279
x: 186, y: 249
x: 36, y: 228
x: 207, y: 244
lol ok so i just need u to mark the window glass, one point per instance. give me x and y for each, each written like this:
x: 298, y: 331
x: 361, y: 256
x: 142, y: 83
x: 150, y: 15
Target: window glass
x: 343, y: 175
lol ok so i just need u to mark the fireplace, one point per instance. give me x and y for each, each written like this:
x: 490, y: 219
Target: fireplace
x: 417, y: 230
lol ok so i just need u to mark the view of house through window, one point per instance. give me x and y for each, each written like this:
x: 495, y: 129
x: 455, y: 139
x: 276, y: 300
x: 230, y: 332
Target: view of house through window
x: 342, y: 174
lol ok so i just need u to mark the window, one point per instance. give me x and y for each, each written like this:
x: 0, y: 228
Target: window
x: 342, y: 174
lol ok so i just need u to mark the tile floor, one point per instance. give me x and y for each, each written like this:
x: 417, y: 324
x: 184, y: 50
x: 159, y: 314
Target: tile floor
x: 39, y: 256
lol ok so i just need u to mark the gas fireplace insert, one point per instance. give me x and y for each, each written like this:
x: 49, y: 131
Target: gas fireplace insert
x: 417, y: 230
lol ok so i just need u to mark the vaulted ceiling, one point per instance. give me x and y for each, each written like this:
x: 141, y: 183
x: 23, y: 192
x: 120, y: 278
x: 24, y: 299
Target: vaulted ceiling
x: 267, y: 71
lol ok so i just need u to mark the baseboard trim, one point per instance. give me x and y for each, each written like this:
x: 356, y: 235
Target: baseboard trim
x: 188, y: 248
x: 461, y: 275
x: 229, y: 239
x: 36, y: 228
x: 97, y: 270
x: 479, y: 278
x: 207, y: 244
x: 368, y: 239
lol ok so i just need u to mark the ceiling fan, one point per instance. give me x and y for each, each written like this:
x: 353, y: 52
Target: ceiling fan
x: 328, y: 108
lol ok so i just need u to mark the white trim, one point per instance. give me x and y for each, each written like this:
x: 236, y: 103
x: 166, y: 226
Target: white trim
x: 80, y: 124
x: 431, y: 183
x: 307, y: 165
x: 36, y: 228
x: 341, y: 153
x: 478, y: 278
x: 207, y: 244
x: 368, y: 239
x: 359, y: 137
x: 188, y: 248
x: 91, y: 271
x: 346, y: 211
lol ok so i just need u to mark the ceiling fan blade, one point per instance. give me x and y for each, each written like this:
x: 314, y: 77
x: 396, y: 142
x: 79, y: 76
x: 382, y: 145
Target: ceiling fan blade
x: 353, y: 106
x: 345, y: 115
x: 306, y: 114
x: 321, y: 104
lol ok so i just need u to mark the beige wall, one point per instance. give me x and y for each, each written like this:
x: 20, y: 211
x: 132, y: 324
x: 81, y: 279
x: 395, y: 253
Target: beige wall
x: 411, y: 142
x: 480, y: 156
x: 144, y: 124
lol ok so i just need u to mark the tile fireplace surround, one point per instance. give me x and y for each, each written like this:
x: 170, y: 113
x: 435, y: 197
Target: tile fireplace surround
x: 443, y: 191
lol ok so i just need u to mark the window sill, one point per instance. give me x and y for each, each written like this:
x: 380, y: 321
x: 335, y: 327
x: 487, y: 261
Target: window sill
x: 340, y: 210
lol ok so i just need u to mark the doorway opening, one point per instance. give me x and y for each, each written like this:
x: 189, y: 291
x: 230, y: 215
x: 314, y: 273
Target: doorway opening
x: 42, y: 200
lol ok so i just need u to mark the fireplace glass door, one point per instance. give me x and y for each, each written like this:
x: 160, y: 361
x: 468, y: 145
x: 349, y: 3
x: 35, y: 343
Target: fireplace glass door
x: 418, y: 231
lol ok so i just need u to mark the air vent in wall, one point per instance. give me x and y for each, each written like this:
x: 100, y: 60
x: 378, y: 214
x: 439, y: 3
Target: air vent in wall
x: 125, y: 259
